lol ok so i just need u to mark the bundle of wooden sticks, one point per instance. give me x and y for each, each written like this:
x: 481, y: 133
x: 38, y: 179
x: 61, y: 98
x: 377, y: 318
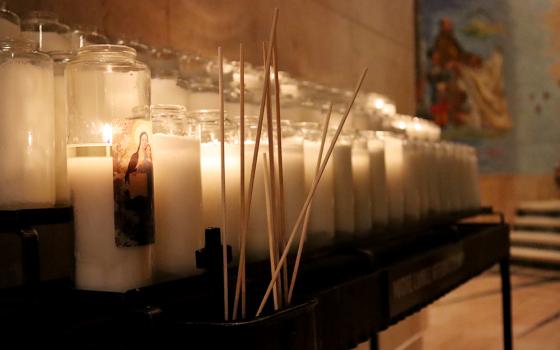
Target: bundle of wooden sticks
x: 281, y: 286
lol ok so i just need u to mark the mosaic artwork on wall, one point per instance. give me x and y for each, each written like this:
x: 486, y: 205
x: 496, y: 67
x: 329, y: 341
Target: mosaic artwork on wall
x: 488, y: 73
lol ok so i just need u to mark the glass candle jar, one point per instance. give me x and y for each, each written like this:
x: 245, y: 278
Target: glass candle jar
x: 26, y: 127
x: 143, y: 51
x: 110, y: 167
x: 192, y: 65
x: 177, y: 192
x: 312, y: 102
x: 257, y: 237
x: 293, y: 173
x: 343, y: 184
x: 165, y: 84
x: 85, y: 35
x: 361, y: 172
x: 321, y: 229
x: 210, y: 167
x: 201, y: 93
x: 379, y: 197
x: 395, y: 173
x: 253, y: 82
x: 411, y: 181
x: 60, y: 58
x: 9, y: 23
x: 44, y: 29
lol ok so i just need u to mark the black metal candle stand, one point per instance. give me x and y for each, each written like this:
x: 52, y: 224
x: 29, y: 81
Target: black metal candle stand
x: 344, y: 295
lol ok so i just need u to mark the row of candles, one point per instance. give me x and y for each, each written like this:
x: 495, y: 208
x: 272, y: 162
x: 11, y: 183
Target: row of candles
x: 58, y: 123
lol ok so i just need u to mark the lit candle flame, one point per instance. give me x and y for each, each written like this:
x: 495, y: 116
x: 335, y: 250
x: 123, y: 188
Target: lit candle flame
x: 107, y: 134
x: 379, y: 103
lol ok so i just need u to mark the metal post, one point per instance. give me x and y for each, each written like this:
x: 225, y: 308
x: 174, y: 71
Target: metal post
x: 506, y: 303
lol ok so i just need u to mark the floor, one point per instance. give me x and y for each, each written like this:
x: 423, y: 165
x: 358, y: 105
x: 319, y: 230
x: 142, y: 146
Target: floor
x: 471, y: 316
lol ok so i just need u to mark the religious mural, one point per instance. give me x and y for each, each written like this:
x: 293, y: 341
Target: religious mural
x: 488, y: 72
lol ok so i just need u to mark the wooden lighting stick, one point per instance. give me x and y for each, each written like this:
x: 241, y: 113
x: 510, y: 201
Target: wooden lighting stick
x: 281, y: 202
x: 240, y: 283
x: 303, y: 234
x: 272, y: 171
x: 270, y: 225
x: 310, y: 195
x: 247, y: 215
x: 223, y: 185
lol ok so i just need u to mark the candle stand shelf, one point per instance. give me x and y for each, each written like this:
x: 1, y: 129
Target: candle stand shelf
x: 344, y: 296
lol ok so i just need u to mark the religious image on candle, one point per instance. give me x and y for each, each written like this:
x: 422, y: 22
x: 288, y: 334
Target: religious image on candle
x: 133, y: 183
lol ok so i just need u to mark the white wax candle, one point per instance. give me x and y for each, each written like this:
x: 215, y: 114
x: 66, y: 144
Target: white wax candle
x: 257, y: 238
x: 294, y: 186
x: 434, y: 206
x: 379, y: 196
x: 178, y: 205
x: 60, y: 134
x: 394, y: 167
x: 100, y: 264
x: 212, y: 193
x: 344, y: 190
x: 423, y: 181
x: 474, y: 173
x: 203, y: 100
x: 166, y: 91
x: 361, y: 171
x: 321, y: 229
x: 48, y: 41
x: 8, y: 29
x: 411, y: 182
x: 443, y: 178
x: 26, y: 135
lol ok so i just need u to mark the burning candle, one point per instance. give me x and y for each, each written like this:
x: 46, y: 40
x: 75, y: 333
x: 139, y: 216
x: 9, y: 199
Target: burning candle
x: 60, y: 58
x: 110, y: 168
x: 343, y: 187
x: 211, y: 175
x: 321, y: 229
x: 411, y: 181
x: 177, y: 192
x: 26, y: 127
x: 166, y: 90
x: 361, y: 171
x: 434, y: 201
x: 379, y: 197
x: 394, y: 169
x: 294, y: 173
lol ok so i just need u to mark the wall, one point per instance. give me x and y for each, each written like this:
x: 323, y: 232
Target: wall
x: 328, y: 41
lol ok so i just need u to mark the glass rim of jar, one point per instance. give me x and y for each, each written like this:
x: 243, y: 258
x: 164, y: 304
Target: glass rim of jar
x: 308, y: 125
x: 108, y: 49
x: 383, y: 134
x: 168, y: 108
x: 18, y: 45
x: 210, y: 118
x: 251, y: 123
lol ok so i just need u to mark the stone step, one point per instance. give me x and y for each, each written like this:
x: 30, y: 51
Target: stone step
x: 535, y: 256
x: 543, y: 208
x: 535, y: 239
x: 536, y: 223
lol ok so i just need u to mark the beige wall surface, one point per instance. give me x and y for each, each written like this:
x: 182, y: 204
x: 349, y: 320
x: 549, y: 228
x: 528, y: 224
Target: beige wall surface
x: 328, y: 41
